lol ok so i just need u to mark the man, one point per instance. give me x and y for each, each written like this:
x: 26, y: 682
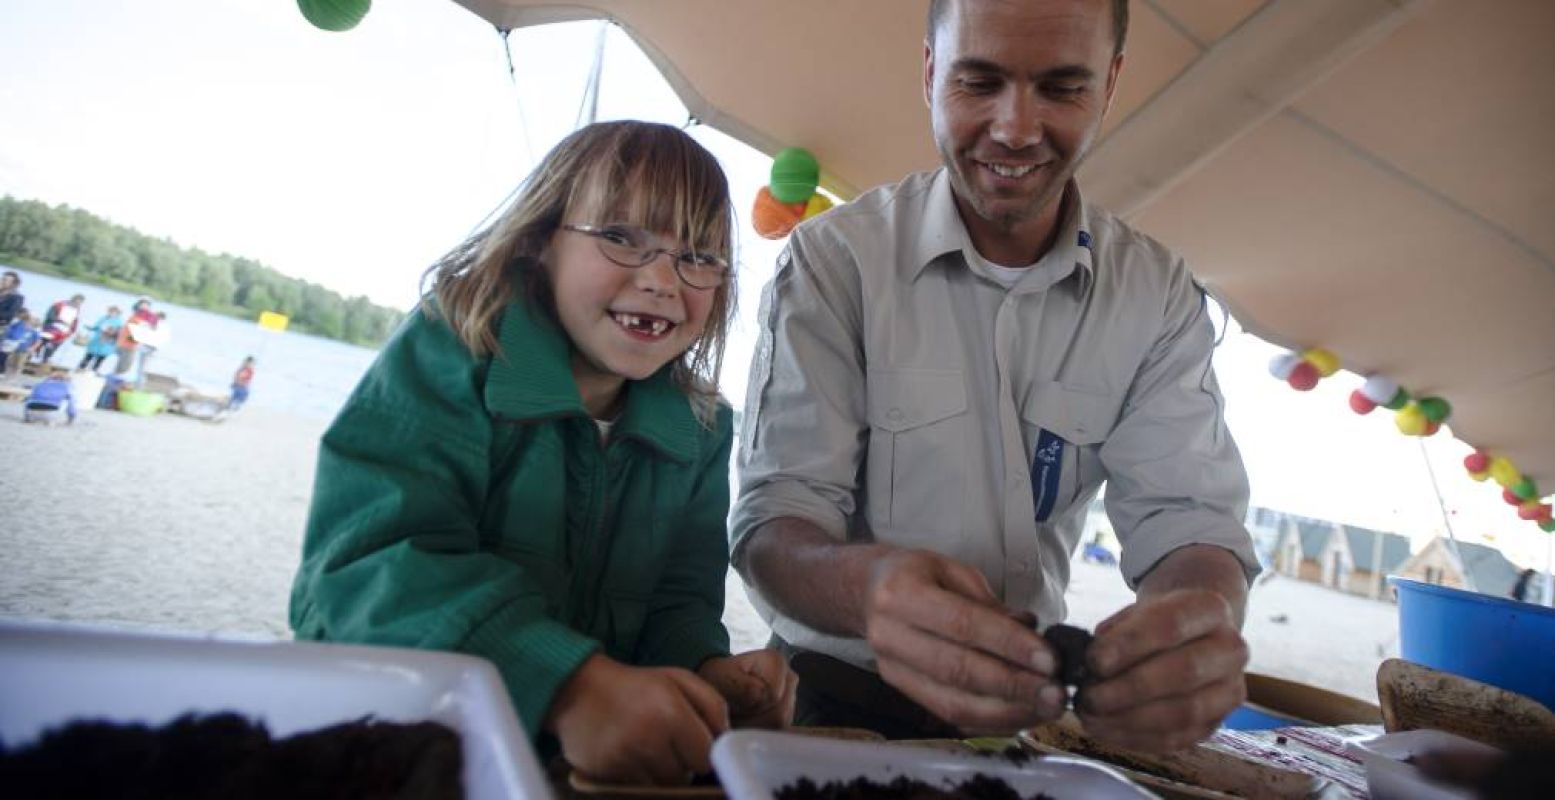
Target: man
x: 949, y: 368
x: 11, y: 299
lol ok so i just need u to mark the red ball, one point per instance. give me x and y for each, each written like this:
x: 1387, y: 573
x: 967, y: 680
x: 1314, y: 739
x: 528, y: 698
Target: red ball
x: 1545, y: 512
x: 1511, y: 499
x: 1304, y: 377
x: 1360, y: 403
x: 1476, y: 462
x: 1529, y: 512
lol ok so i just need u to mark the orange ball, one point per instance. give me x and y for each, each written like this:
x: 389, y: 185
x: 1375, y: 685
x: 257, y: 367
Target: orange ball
x: 772, y: 218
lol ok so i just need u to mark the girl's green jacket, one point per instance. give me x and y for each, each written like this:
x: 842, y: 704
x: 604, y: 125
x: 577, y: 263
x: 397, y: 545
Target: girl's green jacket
x: 469, y: 504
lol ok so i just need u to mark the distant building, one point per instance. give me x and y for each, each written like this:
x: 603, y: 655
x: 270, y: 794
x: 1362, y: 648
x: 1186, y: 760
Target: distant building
x: 1345, y: 557
x: 1475, y: 566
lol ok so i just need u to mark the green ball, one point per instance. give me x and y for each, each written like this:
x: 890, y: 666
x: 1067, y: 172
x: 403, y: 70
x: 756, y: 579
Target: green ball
x: 795, y: 174
x: 1435, y: 409
x: 1525, y: 489
x: 1399, y: 400
x: 334, y: 15
x: 1548, y: 526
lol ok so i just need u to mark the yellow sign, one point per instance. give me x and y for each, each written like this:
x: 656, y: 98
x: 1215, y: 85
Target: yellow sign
x: 271, y: 321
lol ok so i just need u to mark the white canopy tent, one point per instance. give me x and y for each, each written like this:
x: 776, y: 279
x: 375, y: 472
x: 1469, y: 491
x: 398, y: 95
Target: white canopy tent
x: 1369, y: 176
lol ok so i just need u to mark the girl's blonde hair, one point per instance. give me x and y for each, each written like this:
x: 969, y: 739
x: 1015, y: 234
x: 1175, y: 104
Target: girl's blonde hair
x: 640, y: 173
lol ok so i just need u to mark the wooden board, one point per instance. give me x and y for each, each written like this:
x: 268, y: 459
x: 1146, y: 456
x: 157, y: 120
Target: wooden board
x: 1202, y: 771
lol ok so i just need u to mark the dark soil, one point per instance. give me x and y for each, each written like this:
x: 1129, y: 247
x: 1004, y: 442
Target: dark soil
x: 978, y: 787
x: 1071, y: 644
x: 231, y: 757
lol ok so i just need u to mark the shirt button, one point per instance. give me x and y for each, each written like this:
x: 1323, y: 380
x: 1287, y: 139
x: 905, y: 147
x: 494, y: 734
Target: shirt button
x: 895, y: 415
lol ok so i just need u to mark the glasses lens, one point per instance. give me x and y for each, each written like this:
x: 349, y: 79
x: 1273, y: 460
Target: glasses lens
x: 701, y: 271
x: 624, y: 245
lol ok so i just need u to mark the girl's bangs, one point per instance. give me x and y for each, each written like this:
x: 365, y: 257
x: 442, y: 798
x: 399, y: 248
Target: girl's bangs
x: 672, y: 194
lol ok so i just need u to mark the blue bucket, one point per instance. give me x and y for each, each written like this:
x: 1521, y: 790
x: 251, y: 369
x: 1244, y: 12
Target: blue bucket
x: 1492, y: 640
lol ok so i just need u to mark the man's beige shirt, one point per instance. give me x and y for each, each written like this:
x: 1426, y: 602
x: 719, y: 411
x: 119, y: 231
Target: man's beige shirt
x: 899, y: 394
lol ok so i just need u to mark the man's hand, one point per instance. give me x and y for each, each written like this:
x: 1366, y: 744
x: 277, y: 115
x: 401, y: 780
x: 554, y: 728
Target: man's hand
x: 624, y: 724
x: 942, y: 638
x: 758, y: 686
x: 1168, y: 670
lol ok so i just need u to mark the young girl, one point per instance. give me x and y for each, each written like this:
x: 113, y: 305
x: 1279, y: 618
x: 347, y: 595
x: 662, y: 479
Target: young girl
x: 105, y: 335
x: 535, y: 468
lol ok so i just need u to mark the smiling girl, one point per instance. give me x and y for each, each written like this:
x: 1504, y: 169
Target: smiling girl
x: 535, y: 469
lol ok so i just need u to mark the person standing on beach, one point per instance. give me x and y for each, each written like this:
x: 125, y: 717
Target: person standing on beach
x: 535, y: 468
x: 948, y: 370
x: 105, y: 334
x: 126, y: 345
x: 240, y: 381
x: 59, y: 324
x: 11, y: 298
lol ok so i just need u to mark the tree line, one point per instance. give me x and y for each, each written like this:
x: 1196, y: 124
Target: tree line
x: 76, y: 244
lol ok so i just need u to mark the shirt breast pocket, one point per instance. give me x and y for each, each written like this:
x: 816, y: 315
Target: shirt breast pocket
x: 1082, y: 419
x: 918, y: 442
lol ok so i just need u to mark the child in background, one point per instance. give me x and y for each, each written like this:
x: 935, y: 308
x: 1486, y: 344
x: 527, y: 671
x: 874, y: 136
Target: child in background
x: 240, y: 382
x: 105, y: 336
x: 535, y: 469
x: 20, y: 338
x: 51, y: 399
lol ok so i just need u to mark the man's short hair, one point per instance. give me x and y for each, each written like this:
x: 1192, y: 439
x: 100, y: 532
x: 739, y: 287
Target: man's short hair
x: 1119, y: 21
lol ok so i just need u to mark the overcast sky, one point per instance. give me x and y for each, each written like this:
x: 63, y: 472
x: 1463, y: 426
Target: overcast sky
x: 354, y: 160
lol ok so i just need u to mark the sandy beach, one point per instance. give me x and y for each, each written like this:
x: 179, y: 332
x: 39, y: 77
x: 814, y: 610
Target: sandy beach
x: 174, y: 524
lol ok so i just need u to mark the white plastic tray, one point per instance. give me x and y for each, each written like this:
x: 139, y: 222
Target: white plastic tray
x: 51, y: 674
x: 1389, y: 777
x: 751, y: 765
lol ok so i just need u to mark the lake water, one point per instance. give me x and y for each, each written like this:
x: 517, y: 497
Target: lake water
x: 296, y: 373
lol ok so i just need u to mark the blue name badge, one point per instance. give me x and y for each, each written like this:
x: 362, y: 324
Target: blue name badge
x: 1047, y: 466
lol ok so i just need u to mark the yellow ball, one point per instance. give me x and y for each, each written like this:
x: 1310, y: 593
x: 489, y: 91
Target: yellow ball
x: 1410, y: 420
x: 817, y: 204
x: 1326, y: 362
x: 1504, y: 472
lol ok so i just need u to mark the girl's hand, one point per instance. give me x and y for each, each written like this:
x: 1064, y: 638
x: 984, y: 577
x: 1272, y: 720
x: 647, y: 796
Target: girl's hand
x: 758, y: 685
x: 622, y: 724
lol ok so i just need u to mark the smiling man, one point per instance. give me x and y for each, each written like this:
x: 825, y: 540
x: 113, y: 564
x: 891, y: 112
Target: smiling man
x: 950, y: 367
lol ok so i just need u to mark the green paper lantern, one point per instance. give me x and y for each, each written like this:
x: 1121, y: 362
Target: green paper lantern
x: 795, y: 174
x: 1525, y: 489
x: 1400, y: 399
x: 1435, y: 408
x: 334, y: 15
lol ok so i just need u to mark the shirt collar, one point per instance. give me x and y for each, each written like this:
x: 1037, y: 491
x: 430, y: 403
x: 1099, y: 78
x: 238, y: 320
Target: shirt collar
x: 942, y: 231
x: 530, y: 379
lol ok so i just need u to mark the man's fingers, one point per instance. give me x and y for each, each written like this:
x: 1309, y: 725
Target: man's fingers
x: 952, y: 617
x: 955, y: 665
x: 1157, y: 625
x: 1179, y: 671
x: 971, y: 713
x: 1169, y: 723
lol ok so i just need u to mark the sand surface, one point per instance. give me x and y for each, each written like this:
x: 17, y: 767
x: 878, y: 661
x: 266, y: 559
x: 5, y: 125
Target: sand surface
x: 174, y: 524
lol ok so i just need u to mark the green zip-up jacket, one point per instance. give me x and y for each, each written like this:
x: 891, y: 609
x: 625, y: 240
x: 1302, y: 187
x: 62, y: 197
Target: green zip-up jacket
x: 469, y: 504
